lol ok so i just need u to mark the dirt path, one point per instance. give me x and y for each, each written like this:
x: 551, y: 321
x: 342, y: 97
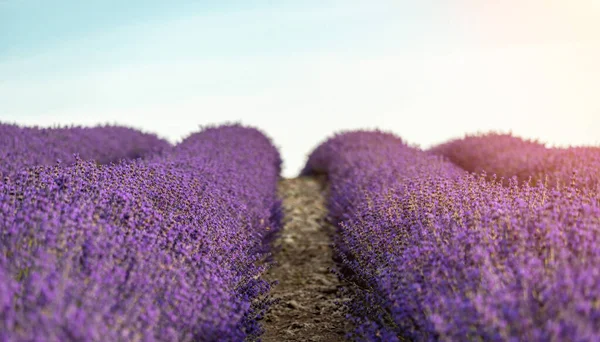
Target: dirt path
x: 309, y: 308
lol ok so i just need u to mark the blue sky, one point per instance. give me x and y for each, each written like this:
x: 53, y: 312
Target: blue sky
x: 231, y: 29
x: 301, y: 70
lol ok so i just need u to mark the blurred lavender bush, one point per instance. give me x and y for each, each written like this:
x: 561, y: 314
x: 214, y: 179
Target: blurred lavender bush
x: 507, y: 156
x: 21, y: 147
x: 165, y: 248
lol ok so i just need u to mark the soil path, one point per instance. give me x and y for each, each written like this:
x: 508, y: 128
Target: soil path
x: 309, y: 308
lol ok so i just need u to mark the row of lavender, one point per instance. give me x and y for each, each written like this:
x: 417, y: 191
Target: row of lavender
x: 436, y: 253
x: 507, y: 156
x: 163, y: 248
x: 32, y: 146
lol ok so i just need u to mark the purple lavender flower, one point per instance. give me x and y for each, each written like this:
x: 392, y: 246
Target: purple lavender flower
x: 164, y: 248
x: 435, y: 253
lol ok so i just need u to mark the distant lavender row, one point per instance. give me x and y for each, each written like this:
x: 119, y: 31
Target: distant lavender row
x: 21, y: 147
x: 435, y: 253
x: 506, y: 156
x: 163, y: 249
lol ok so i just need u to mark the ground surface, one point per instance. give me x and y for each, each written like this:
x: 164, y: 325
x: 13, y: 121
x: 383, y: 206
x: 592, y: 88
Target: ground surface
x: 309, y: 308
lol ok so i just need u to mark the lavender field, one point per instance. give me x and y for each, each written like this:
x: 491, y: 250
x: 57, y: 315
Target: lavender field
x: 113, y: 234
x: 436, y: 253
x: 160, y: 246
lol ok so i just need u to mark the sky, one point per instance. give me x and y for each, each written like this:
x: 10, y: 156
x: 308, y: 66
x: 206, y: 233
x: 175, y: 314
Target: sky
x: 300, y: 71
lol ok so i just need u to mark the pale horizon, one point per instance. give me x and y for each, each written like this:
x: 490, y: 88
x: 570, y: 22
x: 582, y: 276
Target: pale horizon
x: 429, y: 72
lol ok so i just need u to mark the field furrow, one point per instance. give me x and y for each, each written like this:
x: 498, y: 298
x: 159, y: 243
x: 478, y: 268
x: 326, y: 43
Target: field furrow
x: 308, y: 308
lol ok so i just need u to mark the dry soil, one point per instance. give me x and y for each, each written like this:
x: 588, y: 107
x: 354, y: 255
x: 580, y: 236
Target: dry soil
x: 309, y: 307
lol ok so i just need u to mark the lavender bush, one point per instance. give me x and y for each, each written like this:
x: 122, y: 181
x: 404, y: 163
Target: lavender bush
x: 161, y: 249
x: 507, y: 156
x: 435, y: 253
x: 21, y: 147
